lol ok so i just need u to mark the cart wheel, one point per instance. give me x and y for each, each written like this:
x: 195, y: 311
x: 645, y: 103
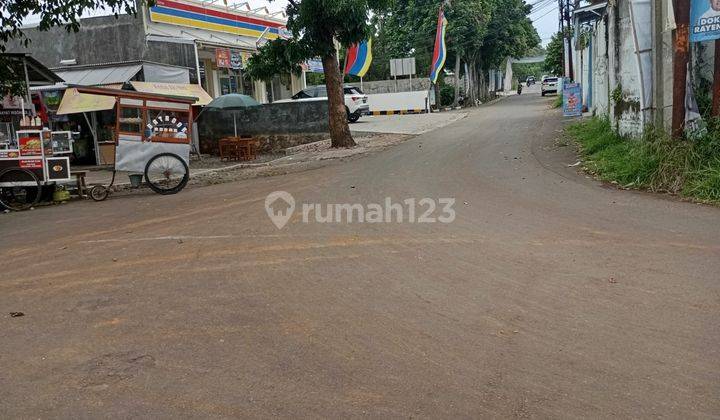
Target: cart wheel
x: 167, y: 173
x: 99, y: 193
x: 19, y: 198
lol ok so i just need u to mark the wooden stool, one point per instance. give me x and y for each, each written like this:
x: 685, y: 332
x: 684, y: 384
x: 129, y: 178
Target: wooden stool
x: 80, y: 181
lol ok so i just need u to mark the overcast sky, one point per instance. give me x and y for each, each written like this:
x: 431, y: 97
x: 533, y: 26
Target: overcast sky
x: 545, y: 16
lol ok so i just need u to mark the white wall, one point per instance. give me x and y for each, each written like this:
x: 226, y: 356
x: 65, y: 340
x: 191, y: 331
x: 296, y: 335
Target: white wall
x: 397, y: 101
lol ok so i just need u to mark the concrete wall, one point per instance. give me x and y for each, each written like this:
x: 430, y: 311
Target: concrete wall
x: 600, y: 81
x: 389, y: 86
x: 289, y: 124
x: 401, y: 101
x: 100, y: 40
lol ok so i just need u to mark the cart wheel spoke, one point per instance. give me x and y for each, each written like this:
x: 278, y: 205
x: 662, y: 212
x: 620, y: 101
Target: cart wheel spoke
x: 166, y: 173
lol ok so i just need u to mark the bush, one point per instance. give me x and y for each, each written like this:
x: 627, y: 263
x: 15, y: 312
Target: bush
x: 654, y: 162
x: 447, y: 95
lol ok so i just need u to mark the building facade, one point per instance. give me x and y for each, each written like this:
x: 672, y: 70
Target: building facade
x: 623, y: 57
x: 212, y: 42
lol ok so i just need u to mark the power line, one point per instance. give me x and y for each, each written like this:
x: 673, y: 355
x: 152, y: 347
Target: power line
x: 544, y: 14
x: 544, y: 6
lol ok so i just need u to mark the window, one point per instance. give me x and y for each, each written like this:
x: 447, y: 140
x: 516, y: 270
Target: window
x: 163, y: 125
x: 130, y: 120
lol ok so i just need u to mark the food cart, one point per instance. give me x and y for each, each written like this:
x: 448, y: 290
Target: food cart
x: 30, y: 163
x: 152, y: 139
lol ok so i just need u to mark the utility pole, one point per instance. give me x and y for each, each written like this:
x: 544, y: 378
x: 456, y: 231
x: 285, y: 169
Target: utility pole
x: 681, y: 54
x: 568, y: 35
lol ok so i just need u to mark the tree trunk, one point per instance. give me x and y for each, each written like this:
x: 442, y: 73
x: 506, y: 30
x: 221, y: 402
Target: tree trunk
x: 681, y: 53
x: 456, y: 102
x: 338, y: 119
x: 716, y: 82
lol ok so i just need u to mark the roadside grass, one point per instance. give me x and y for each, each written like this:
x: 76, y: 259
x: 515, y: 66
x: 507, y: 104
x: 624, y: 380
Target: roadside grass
x: 557, y: 103
x: 655, y: 162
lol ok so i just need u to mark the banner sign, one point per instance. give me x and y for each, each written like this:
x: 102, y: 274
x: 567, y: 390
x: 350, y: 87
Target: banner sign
x: 236, y: 61
x: 314, y: 65
x: 572, y: 100
x: 704, y: 20
x: 440, y: 52
x: 204, y: 15
x: 359, y: 57
x: 222, y: 58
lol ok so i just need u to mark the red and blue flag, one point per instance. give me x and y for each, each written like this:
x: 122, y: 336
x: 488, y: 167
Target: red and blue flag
x: 440, y: 53
x: 359, y: 57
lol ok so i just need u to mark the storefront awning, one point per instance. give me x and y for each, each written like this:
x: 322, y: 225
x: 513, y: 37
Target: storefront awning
x: 175, y: 89
x: 74, y: 102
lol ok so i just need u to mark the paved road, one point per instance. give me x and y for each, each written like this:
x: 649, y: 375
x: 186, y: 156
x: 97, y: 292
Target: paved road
x: 549, y: 296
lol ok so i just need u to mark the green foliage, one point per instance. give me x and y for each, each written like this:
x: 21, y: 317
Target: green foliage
x: 447, y: 94
x: 315, y: 25
x: 654, y: 162
x: 554, y: 58
x: 486, y: 30
x: 557, y: 103
x: 523, y: 70
x: 65, y: 13
x: 617, y: 94
x: 510, y: 32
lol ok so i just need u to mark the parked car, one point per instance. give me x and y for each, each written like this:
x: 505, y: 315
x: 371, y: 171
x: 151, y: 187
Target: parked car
x: 549, y: 85
x: 356, y: 102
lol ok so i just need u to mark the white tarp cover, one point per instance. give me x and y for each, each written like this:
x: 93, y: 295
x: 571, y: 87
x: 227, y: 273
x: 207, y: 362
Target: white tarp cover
x: 132, y: 154
x: 165, y: 74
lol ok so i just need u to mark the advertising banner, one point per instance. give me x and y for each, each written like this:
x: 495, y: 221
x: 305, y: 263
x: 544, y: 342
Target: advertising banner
x: 236, y: 61
x: 572, y: 100
x: 704, y: 20
x: 30, y: 146
x: 222, y: 58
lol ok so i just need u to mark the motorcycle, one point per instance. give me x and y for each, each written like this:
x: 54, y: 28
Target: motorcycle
x: 519, y: 89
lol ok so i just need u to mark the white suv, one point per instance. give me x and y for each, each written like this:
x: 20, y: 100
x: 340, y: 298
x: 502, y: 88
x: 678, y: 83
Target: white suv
x: 356, y: 102
x: 548, y: 85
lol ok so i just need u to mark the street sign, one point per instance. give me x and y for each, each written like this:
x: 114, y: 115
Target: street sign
x: 572, y: 99
x: 402, y: 67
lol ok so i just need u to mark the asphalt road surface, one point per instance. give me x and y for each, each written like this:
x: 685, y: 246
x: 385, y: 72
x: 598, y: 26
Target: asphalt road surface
x: 550, y: 295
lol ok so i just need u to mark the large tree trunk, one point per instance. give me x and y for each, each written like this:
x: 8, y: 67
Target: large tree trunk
x: 456, y: 102
x: 339, y: 130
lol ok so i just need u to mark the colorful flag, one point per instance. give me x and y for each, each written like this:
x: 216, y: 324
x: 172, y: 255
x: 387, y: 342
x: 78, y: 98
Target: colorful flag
x: 359, y: 57
x: 440, y: 53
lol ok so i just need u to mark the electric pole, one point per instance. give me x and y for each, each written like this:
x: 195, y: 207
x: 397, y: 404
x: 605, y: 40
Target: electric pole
x: 568, y: 35
x: 681, y: 54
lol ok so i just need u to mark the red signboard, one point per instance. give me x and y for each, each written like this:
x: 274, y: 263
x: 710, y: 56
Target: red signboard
x: 30, y: 146
x: 31, y: 163
x: 222, y: 58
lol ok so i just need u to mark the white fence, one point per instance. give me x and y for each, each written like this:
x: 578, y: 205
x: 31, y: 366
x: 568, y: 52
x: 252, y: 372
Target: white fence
x: 401, y: 101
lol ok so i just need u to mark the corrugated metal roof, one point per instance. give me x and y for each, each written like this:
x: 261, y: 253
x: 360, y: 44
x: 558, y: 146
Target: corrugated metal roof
x: 99, y: 76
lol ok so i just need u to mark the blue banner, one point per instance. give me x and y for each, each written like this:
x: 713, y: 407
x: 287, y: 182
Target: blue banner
x: 704, y: 20
x: 572, y: 100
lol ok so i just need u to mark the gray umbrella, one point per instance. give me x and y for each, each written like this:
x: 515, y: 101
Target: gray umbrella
x: 230, y: 102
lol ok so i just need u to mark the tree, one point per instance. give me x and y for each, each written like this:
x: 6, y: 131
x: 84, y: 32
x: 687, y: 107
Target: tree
x: 65, y: 13
x: 316, y: 25
x: 554, y: 63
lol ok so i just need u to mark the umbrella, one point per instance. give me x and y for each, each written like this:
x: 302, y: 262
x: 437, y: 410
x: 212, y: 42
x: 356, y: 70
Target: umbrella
x: 230, y: 102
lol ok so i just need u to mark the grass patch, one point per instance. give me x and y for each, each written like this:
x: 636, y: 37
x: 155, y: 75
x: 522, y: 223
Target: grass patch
x: 654, y: 162
x: 557, y: 103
